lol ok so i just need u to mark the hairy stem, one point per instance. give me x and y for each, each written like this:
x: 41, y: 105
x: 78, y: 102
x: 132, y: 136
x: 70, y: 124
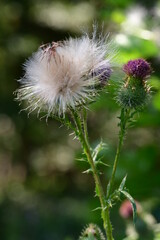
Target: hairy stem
x: 83, y: 137
x: 124, y: 116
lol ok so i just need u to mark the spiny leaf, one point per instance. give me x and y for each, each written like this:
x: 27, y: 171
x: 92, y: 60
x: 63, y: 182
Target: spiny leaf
x: 88, y: 171
x: 102, y: 163
x: 130, y: 198
x: 98, y: 160
x: 113, y: 198
x: 81, y: 160
x: 122, y: 185
x: 96, y: 209
x: 98, y: 149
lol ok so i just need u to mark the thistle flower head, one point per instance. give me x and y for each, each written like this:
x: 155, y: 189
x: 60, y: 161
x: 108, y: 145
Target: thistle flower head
x: 138, y: 68
x: 92, y: 231
x: 134, y: 91
x: 58, y: 76
x: 103, y: 73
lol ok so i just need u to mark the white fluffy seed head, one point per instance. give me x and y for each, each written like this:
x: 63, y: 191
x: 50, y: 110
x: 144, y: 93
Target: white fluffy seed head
x: 58, y: 76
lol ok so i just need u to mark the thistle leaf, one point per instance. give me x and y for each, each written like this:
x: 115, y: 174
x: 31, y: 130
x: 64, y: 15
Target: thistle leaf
x: 98, y: 149
x: 130, y: 198
x: 88, y: 171
x: 102, y: 163
x: 81, y: 159
x: 96, y: 209
x: 122, y: 185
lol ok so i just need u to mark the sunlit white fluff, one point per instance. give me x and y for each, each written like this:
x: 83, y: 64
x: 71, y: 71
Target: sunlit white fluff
x: 58, y: 76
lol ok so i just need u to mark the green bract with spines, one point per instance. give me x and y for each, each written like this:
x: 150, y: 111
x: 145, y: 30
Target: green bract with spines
x: 133, y: 97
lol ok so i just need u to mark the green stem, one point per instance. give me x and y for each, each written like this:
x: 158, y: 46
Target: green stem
x: 83, y: 137
x: 123, y: 122
x: 85, y: 124
x: 115, y: 165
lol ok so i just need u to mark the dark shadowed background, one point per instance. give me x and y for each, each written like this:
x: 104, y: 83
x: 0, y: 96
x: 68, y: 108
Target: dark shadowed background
x: 43, y: 193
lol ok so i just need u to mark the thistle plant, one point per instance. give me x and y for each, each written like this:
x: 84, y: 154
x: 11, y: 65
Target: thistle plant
x: 62, y: 79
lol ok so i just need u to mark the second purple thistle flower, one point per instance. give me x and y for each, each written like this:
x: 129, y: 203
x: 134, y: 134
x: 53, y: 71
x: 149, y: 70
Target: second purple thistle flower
x: 138, y: 68
x: 134, y: 91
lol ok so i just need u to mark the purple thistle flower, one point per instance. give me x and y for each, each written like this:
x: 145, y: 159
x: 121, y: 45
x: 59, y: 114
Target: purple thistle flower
x: 138, y: 68
x: 134, y: 92
x: 103, y: 73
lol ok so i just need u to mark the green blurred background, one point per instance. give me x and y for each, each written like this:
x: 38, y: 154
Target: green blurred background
x: 43, y: 193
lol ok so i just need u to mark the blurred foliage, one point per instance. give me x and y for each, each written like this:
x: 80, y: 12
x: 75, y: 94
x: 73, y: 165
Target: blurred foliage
x: 43, y: 194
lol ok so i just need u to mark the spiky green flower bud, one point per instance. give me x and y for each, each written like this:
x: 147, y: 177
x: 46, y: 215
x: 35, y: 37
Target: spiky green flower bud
x: 134, y: 91
x: 92, y: 232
